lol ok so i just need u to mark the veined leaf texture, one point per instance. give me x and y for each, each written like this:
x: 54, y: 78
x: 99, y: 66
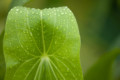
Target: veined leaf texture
x: 42, y: 45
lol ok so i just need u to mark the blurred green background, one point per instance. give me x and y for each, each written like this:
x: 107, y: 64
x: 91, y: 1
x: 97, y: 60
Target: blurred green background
x: 99, y: 25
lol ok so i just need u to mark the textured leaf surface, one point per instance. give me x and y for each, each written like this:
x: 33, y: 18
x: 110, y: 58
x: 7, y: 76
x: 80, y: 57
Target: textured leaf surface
x: 42, y: 45
x: 102, y: 70
x: 2, y: 61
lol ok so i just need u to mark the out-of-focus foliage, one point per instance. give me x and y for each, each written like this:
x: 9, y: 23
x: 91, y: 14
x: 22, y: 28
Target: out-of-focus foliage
x: 54, y: 3
x: 2, y: 61
x: 102, y: 70
x: 19, y: 3
x: 3, y: 12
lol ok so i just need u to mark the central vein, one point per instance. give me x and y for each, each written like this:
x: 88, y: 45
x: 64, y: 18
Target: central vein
x: 45, y: 57
x: 42, y: 33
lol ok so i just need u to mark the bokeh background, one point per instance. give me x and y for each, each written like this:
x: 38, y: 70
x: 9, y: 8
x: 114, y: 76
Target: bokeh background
x: 99, y: 25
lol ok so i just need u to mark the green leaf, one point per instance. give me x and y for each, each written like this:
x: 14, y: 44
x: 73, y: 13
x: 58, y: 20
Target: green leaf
x: 42, y: 45
x: 102, y: 70
x: 18, y: 3
x: 2, y: 61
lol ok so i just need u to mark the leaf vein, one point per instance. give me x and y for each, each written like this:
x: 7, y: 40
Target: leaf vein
x: 31, y: 70
x: 35, y: 78
x: 65, y: 66
x: 42, y: 32
x: 32, y: 34
x: 58, y: 70
x: 27, y: 52
x: 53, y: 33
x: 22, y: 65
x: 53, y: 71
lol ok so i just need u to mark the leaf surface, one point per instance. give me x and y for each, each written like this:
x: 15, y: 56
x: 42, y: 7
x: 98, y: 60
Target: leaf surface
x: 42, y: 45
x: 102, y: 70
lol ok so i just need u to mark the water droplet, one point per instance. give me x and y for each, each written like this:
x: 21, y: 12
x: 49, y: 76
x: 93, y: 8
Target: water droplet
x: 17, y: 9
